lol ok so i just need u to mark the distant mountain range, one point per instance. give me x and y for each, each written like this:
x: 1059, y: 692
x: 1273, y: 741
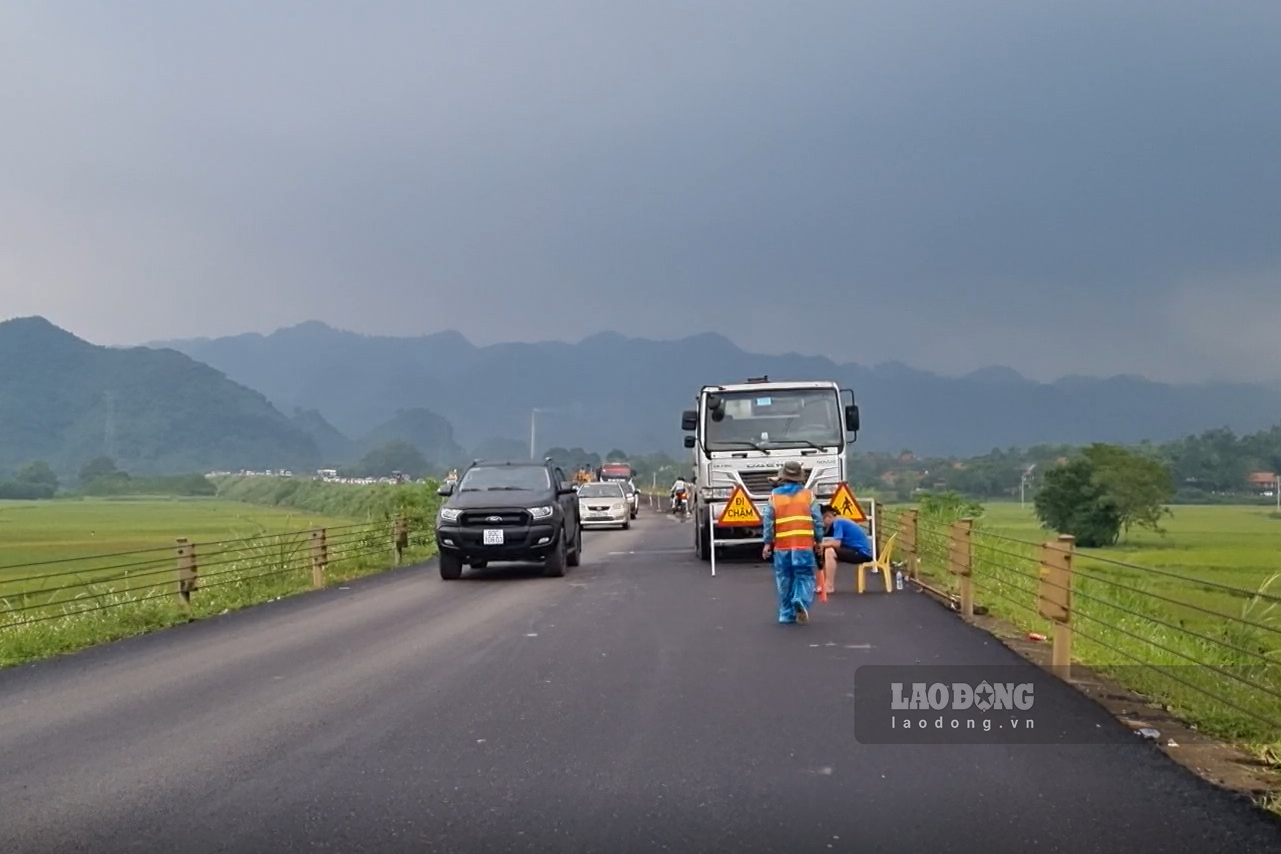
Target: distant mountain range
x: 67, y: 401
x: 156, y: 410
x: 612, y: 391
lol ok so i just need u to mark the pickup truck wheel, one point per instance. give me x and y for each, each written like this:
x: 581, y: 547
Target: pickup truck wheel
x: 554, y: 566
x: 451, y: 566
x: 575, y: 557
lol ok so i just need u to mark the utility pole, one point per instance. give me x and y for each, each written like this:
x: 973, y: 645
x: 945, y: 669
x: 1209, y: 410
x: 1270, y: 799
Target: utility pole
x: 533, y: 432
x: 109, y: 428
x: 1023, y: 481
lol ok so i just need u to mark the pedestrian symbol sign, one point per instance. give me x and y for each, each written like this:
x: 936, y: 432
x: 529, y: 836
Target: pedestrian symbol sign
x: 739, y: 511
x: 845, y: 504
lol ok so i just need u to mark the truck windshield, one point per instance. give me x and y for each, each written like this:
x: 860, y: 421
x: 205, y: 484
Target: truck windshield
x: 776, y: 419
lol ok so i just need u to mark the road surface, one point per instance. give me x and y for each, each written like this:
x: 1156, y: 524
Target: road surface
x: 635, y: 705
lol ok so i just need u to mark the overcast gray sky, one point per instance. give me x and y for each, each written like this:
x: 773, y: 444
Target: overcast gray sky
x: 1077, y: 187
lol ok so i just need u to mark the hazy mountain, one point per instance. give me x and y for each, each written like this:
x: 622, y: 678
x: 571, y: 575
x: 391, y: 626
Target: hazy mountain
x: 612, y: 391
x: 335, y: 448
x: 496, y: 448
x: 422, y: 428
x: 66, y: 401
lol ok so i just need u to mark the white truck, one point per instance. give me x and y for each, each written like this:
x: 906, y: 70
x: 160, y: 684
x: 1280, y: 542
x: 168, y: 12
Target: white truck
x: 742, y: 435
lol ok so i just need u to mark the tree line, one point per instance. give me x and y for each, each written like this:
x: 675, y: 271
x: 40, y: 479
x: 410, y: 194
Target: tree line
x: 1211, y: 466
x: 37, y: 481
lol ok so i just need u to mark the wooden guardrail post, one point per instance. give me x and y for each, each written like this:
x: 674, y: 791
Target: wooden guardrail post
x: 400, y: 538
x: 907, y: 540
x: 962, y: 563
x: 1055, y: 600
x: 319, y: 557
x: 188, y: 573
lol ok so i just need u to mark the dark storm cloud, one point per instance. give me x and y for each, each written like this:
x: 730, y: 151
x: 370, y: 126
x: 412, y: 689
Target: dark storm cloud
x: 1083, y: 187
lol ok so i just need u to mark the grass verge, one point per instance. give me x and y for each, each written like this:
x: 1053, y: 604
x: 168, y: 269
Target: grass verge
x: 75, y: 574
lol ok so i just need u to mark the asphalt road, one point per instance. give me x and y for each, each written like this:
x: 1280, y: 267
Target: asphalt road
x: 635, y: 705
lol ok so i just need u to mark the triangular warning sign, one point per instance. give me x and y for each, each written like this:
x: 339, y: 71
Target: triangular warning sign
x: 739, y: 511
x: 844, y: 503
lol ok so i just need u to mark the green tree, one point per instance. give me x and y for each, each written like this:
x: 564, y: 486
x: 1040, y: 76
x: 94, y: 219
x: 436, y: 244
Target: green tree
x: 98, y: 467
x: 1139, y: 486
x: 37, y: 473
x: 616, y: 454
x: 1071, y: 501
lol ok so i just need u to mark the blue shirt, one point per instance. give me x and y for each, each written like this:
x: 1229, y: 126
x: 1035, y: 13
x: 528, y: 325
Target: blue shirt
x: 851, y: 535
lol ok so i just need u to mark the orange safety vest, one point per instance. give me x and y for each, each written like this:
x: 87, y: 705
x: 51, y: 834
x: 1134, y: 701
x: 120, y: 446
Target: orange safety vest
x: 793, y: 521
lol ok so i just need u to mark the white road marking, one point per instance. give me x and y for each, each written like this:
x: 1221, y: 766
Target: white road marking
x: 652, y: 552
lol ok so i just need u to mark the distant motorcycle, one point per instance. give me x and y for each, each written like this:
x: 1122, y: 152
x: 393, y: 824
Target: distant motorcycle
x: 680, y: 505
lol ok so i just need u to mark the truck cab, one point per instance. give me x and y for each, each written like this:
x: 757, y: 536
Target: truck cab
x: 743, y: 433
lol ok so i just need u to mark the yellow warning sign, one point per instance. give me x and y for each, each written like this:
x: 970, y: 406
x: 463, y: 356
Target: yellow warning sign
x: 844, y: 503
x: 739, y: 511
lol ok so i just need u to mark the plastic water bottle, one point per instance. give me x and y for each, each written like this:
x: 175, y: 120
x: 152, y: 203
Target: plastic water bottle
x: 898, y: 580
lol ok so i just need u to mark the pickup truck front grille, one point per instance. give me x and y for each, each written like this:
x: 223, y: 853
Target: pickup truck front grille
x: 495, y: 518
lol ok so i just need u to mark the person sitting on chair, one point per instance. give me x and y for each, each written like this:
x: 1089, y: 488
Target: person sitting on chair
x: 844, y: 542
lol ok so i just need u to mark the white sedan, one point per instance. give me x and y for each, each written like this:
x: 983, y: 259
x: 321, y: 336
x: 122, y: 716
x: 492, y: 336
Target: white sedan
x: 604, y: 505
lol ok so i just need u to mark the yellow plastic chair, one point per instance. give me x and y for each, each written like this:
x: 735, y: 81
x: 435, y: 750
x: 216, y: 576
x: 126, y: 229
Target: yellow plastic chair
x: 882, y: 563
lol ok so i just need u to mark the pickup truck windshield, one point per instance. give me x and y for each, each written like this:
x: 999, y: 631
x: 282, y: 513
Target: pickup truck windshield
x: 776, y: 419
x: 533, y: 478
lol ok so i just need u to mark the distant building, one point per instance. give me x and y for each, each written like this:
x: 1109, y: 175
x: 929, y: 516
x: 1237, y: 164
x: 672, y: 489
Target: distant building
x: 1263, y: 481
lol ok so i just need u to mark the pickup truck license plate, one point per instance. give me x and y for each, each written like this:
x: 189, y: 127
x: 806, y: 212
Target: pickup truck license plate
x: 493, y: 536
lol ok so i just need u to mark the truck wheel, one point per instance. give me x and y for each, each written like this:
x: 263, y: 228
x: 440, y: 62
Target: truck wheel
x: 554, y: 566
x: 700, y: 539
x: 451, y: 566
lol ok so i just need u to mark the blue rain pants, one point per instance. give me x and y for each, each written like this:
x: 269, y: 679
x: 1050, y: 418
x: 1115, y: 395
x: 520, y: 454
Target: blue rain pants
x: 794, y: 577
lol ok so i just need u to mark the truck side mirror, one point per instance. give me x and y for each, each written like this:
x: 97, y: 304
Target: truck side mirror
x: 445, y: 489
x: 851, y: 418
x: 690, y: 441
x: 689, y: 420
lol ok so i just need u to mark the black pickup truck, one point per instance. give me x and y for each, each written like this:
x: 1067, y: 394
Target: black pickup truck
x: 509, y: 511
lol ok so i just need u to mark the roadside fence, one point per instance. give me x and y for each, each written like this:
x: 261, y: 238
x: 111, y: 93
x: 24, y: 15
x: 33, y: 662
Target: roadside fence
x: 1207, y: 650
x: 161, y: 585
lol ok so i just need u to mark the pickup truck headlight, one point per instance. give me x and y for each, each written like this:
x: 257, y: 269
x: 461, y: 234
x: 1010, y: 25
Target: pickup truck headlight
x: 716, y: 493
x: 450, y: 515
x: 541, y: 512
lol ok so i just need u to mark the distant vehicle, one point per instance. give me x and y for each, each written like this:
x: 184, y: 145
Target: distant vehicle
x: 509, y: 511
x: 604, y: 505
x: 616, y: 471
x: 633, y: 497
x: 622, y: 472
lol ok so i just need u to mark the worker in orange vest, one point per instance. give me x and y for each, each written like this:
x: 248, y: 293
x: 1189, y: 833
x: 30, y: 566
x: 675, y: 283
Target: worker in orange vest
x: 793, y: 522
